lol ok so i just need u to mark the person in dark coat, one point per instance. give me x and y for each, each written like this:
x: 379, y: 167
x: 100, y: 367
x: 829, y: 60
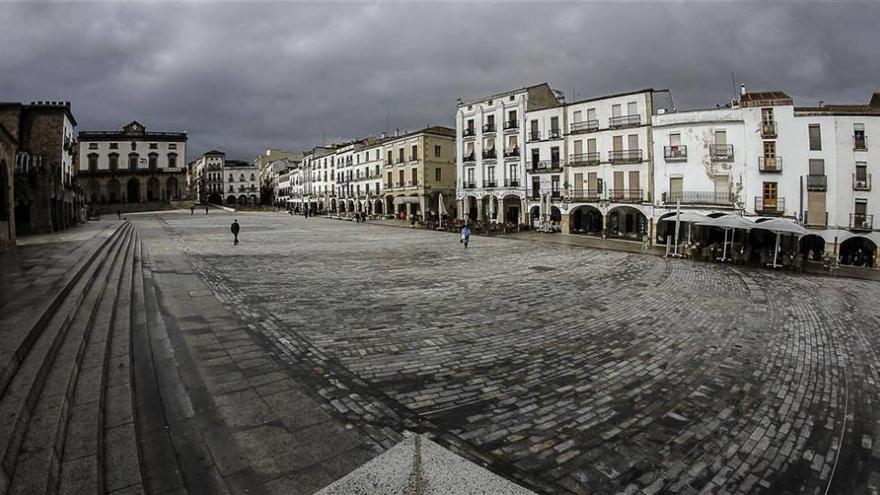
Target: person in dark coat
x: 235, y: 229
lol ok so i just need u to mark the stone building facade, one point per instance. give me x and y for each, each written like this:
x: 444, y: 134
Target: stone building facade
x: 132, y: 165
x: 45, y: 193
x: 8, y: 147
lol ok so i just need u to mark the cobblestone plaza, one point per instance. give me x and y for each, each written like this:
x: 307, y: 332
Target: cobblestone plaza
x: 569, y: 370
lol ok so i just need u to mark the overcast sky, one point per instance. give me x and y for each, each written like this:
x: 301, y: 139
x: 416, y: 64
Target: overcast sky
x: 246, y: 77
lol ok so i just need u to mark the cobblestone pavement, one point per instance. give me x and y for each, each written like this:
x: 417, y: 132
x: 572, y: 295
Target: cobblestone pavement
x: 571, y: 370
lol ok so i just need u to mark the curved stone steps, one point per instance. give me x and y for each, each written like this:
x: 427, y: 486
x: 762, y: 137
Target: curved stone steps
x: 38, y: 462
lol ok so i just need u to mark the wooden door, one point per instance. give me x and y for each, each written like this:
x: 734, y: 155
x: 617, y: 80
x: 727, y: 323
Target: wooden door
x: 635, y: 192
x: 769, y: 196
x: 617, y: 190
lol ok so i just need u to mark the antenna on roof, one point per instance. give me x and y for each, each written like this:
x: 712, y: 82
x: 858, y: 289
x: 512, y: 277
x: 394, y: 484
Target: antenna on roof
x: 733, y: 84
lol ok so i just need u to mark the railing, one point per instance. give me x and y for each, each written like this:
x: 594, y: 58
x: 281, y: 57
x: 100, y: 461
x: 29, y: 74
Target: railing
x: 768, y: 129
x: 554, y: 134
x: 584, y: 159
x: 469, y: 185
x: 546, y: 166
x: 489, y: 154
x: 413, y: 159
x: 555, y: 194
x: 389, y: 186
x: 769, y: 206
x: 860, y: 143
x: 584, y: 127
x: 861, y: 222
x: 675, y: 153
x: 511, y: 153
x: 490, y: 183
x: 535, y: 194
x: 769, y: 164
x: 470, y: 158
x: 625, y: 195
x: 862, y: 183
x: 469, y: 132
x: 817, y: 182
x: 488, y: 127
x: 534, y: 136
x: 699, y: 198
x: 511, y: 124
x: 625, y: 156
x: 624, y: 121
x: 511, y: 182
x: 412, y: 183
x: 721, y: 152
x: 389, y: 162
x: 588, y: 195
x: 817, y: 219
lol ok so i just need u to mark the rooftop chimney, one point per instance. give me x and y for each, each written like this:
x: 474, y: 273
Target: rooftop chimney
x: 742, y: 89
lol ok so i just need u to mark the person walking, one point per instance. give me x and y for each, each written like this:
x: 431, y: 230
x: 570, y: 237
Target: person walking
x: 192, y: 210
x: 465, y: 235
x: 235, y: 229
x: 206, y: 209
x: 118, y: 215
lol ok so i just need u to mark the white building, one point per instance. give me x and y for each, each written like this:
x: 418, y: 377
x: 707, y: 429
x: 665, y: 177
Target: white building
x: 241, y: 183
x: 206, y: 177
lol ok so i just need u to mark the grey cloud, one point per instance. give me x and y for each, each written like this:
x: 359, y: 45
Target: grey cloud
x: 246, y: 77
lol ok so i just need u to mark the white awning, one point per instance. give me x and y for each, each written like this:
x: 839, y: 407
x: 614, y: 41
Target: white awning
x: 406, y: 200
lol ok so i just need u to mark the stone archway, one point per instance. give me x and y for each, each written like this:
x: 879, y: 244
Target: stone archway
x: 153, y: 193
x: 811, y: 247
x: 858, y: 251
x: 511, y: 205
x: 627, y: 222
x: 230, y: 200
x: 133, y: 191
x: 586, y: 219
x: 114, y: 194
x: 172, y: 189
x: 242, y: 200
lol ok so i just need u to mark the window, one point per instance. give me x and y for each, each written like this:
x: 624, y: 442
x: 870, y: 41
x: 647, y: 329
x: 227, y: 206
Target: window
x: 132, y: 161
x: 415, y: 153
x: 172, y: 146
x: 632, y: 108
x: 859, y: 143
x: 511, y: 116
x: 633, y: 142
x: 437, y: 151
x: 616, y: 110
x: 153, y: 160
x: 93, y: 162
x: 377, y: 154
x: 674, y: 140
x: 489, y: 102
x: 231, y: 179
x: 172, y: 160
x: 93, y: 146
x: 114, y: 161
x: 817, y: 167
x: 133, y: 145
x: 114, y: 146
x: 554, y: 125
x: 154, y: 146
x: 414, y: 173
x: 815, y: 137
x: 510, y: 97
x: 438, y: 174
x: 390, y: 157
x: 400, y: 155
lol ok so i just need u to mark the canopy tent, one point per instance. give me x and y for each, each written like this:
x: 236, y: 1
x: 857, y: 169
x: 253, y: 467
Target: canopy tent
x: 779, y: 227
x: 687, y: 217
x: 404, y: 200
x: 727, y: 222
x: 441, y: 210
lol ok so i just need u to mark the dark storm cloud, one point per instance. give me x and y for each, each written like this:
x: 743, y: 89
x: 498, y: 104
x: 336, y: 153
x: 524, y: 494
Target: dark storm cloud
x: 245, y: 77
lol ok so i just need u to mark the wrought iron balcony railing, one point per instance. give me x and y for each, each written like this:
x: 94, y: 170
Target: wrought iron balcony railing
x: 584, y: 127
x: 511, y: 124
x: 546, y: 166
x: 511, y: 182
x: 625, y: 156
x: 468, y: 132
x: 624, y: 121
x: 514, y: 153
x: 488, y: 128
x: 585, y: 195
x: 721, y: 152
x: 768, y: 129
x: 584, y: 159
x: 699, y: 198
x: 625, y: 195
x: 770, y: 165
x: 489, y: 154
x: 675, y: 153
x: 490, y: 183
x: 861, y: 222
x: 534, y: 135
x: 468, y: 185
x: 554, y: 134
x: 764, y: 206
x: 861, y: 182
x: 470, y: 158
x: 817, y: 182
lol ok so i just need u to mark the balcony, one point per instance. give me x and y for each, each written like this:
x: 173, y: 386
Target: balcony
x: 584, y: 127
x: 487, y: 128
x: 769, y: 165
x: 699, y: 198
x: 768, y: 129
x: 555, y: 194
x: 389, y: 163
x: 816, y: 220
x: 490, y: 183
x: 769, y: 207
x: 412, y: 183
x: 860, y: 143
x: 625, y: 195
x: 721, y: 152
x: 468, y: 185
x: 625, y: 156
x: 861, y: 222
x: 468, y: 133
x: 817, y: 183
x: 472, y: 158
x: 861, y: 182
x: 585, y: 195
x: 534, y: 136
x: 514, y: 153
x: 584, y: 159
x: 554, y: 134
x: 511, y: 182
x: 413, y: 159
x: 546, y: 167
x: 511, y: 125
x: 622, y: 121
x: 675, y: 153
x: 489, y: 154
x: 388, y: 186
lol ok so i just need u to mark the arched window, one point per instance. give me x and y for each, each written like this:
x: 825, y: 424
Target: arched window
x: 132, y: 161
x: 114, y: 162
x: 93, y: 162
x: 241, y: 178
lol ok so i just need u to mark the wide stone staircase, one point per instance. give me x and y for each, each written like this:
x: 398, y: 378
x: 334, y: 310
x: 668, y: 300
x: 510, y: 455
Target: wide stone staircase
x: 69, y: 420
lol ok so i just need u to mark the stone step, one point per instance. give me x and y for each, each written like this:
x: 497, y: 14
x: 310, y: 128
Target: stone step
x: 35, y: 403
x: 82, y: 462
x: 25, y: 317
x: 161, y: 471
